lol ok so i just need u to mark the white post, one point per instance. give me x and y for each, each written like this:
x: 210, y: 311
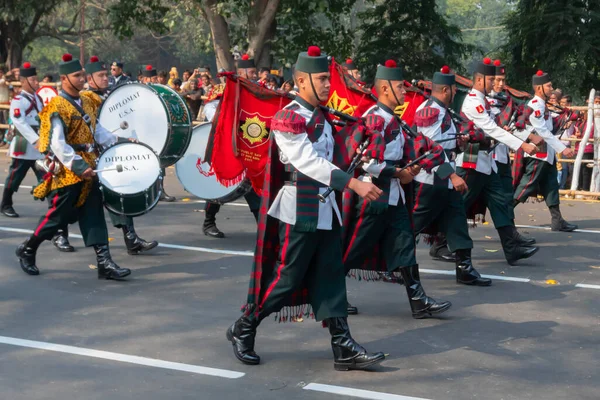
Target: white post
x: 584, y: 140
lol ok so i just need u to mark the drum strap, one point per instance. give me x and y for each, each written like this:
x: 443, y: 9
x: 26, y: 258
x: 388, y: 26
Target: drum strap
x: 86, y: 118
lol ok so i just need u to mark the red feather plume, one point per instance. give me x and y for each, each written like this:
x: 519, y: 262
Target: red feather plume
x: 26, y: 65
x: 67, y: 57
x: 314, y: 51
x: 391, y: 64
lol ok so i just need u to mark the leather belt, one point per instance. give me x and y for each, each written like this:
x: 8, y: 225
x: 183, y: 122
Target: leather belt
x: 291, y: 177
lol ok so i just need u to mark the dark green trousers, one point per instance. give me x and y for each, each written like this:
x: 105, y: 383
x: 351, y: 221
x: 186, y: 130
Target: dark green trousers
x: 390, y: 230
x: 313, y: 258
x: 62, y: 211
x: 17, y: 172
x: 490, y: 186
x: 505, y: 173
x: 540, y: 177
x: 444, y: 208
x: 120, y: 221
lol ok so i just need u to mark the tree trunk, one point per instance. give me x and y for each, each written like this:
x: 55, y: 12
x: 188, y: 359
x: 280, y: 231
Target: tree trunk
x: 11, y: 47
x: 266, y: 58
x: 220, y: 35
x: 260, y: 23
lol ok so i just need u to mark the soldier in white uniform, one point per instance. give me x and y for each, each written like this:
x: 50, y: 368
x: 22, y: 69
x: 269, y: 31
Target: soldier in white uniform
x: 24, y: 109
x: 540, y: 175
x: 439, y: 205
x: 477, y: 167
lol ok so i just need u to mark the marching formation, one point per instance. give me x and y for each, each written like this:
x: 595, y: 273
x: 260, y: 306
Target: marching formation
x: 338, y: 193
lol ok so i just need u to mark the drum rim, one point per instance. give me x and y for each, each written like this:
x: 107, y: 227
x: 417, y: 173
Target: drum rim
x: 137, y: 214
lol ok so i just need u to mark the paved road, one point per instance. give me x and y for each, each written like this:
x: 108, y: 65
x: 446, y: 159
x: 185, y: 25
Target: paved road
x: 530, y: 339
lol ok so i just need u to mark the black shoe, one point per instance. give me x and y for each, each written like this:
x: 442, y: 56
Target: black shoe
x: 524, y: 240
x: 347, y: 353
x: 352, y: 310
x: 9, y: 211
x: 558, y: 222
x: 107, y: 268
x: 61, y: 242
x: 134, y: 243
x: 241, y: 335
x: 26, y: 253
x: 513, y: 251
x: 466, y: 273
x: 213, y: 231
x: 165, y: 197
x: 439, y: 250
x: 422, y: 306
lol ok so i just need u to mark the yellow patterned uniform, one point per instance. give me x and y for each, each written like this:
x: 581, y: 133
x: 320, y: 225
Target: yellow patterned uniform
x: 77, y: 132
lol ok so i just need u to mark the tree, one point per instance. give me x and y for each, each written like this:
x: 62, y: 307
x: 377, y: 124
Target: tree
x: 411, y: 31
x: 559, y: 36
x: 23, y: 21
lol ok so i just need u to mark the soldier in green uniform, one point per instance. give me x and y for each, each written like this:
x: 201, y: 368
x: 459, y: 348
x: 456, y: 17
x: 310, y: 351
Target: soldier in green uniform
x: 298, y: 257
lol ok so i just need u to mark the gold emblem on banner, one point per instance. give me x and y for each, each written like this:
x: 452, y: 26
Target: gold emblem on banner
x: 400, y: 110
x: 254, y: 130
x: 340, y: 104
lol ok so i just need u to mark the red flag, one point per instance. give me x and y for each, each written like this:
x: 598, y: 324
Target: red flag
x: 346, y: 95
x: 240, y: 137
x: 412, y: 101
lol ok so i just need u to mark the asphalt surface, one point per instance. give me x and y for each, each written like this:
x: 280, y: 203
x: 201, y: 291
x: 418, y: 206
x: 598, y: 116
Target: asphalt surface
x: 515, y: 340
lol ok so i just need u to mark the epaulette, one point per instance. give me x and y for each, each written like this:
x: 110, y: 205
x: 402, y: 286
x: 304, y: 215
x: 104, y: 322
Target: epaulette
x: 533, y: 101
x: 16, y: 98
x: 375, y: 122
x: 426, y: 116
x: 288, y: 121
x: 472, y: 95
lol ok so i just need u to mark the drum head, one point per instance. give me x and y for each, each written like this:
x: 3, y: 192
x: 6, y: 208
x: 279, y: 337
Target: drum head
x: 141, y: 168
x: 194, y: 174
x: 144, y: 111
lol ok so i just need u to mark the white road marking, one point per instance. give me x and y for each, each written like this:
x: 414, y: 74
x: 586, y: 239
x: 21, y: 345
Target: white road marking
x: 547, y: 228
x: 452, y: 273
x: 586, y: 286
x: 20, y: 186
x: 107, y: 355
x: 251, y: 254
x: 363, y: 394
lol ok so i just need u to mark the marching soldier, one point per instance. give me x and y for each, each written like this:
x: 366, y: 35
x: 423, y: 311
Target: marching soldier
x: 539, y: 167
x: 246, y: 69
x: 24, y: 109
x: 381, y: 229
x: 439, y: 205
x: 24, y: 154
x: 98, y: 82
x: 117, y: 76
x: 70, y: 132
x: 478, y: 169
x: 298, y: 258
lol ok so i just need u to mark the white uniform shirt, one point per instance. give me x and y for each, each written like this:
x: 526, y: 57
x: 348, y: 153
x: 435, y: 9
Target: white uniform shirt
x: 312, y: 160
x: 543, y: 127
x: 24, y: 124
x: 394, y: 151
x: 434, y: 132
x: 500, y: 153
x: 474, y: 108
x: 64, y: 152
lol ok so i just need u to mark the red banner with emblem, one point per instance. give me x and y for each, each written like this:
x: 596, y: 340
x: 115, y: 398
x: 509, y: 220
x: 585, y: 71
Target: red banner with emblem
x: 240, y: 133
x: 412, y: 101
x: 346, y: 94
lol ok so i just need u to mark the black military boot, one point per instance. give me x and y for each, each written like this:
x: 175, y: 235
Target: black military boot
x: 352, y: 310
x: 26, y: 253
x: 165, y: 197
x: 61, y: 241
x: 135, y: 244
x: 107, y: 268
x: 347, y: 353
x: 513, y: 251
x: 241, y: 335
x: 6, y: 206
x: 522, y: 240
x: 210, y: 225
x: 422, y: 306
x: 439, y: 250
x: 466, y: 273
x: 558, y: 223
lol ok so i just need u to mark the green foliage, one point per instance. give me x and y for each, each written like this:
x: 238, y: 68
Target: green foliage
x: 559, y: 36
x: 412, y: 32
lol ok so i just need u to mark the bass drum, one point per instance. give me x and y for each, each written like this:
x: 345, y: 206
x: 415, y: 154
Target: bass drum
x: 136, y: 189
x: 196, y: 176
x: 156, y: 115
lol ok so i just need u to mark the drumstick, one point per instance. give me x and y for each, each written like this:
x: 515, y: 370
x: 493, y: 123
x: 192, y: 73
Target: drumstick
x: 118, y: 168
x: 124, y: 125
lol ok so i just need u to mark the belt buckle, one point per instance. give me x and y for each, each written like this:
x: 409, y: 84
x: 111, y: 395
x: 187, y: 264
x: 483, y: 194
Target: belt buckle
x: 86, y: 118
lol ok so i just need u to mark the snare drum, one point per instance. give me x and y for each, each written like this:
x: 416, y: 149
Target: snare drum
x: 136, y: 189
x: 196, y: 176
x: 156, y: 115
